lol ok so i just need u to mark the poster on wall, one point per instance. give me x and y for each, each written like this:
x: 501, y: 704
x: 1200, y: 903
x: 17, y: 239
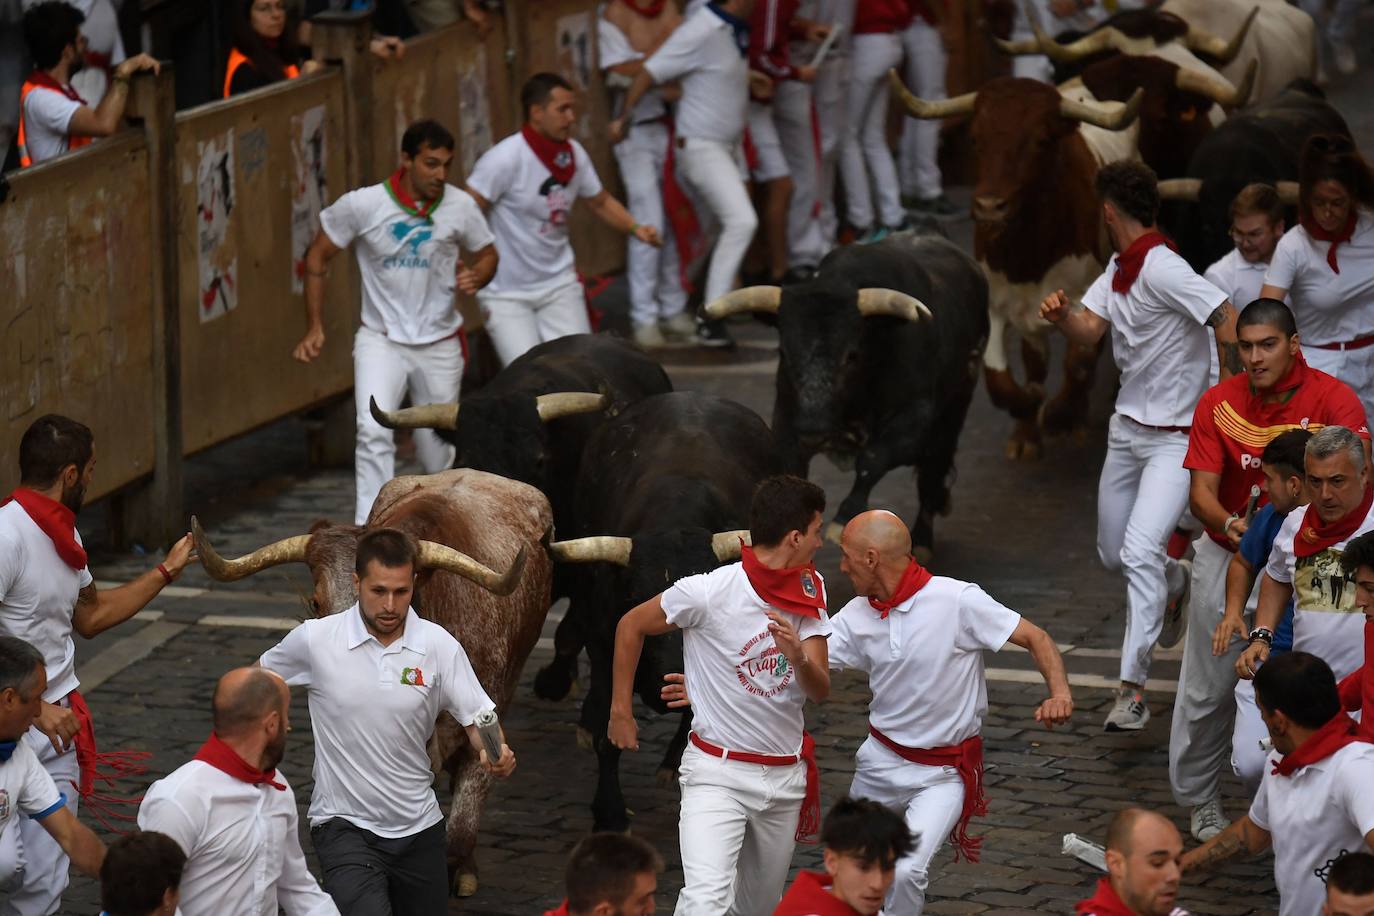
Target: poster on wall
x: 474, y: 113
x: 308, y: 193
x: 216, y: 252
x: 575, y: 60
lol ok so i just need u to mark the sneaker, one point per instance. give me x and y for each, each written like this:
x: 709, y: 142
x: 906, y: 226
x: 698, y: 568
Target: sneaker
x: 1209, y: 819
x: 648, y: 336
x: 938, y: 206
x: 1344, y: 56
x: 713, y: 333
x: 1175, y: 609
x: 1129, y: 713
x: 679, y: 328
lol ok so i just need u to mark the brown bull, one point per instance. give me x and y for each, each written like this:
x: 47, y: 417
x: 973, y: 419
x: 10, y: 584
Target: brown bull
x: 469, y: 524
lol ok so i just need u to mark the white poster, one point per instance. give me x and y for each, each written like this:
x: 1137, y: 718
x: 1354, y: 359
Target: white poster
x: 575, y: 49
x: 474, y: 113
x: 215, y: 250
x: 308, y: 193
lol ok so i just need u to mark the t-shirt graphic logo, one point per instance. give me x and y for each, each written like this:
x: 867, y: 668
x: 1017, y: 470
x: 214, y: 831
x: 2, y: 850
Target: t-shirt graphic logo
x: 559, y: 202
x: 808, y: 584
x: 1320, y: 584
x: 762, y: 669
x: 413, y: 235
x: 562, y: 159
x: 413, y: 677
x: 5, y: 804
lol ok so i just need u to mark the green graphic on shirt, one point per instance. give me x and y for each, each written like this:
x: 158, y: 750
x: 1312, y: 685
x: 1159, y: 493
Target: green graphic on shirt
x: 781, y: 671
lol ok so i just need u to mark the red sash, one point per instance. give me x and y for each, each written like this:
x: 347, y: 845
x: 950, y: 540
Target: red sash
x: 225, y: 759
x: 1315, y: 535
x: 1104, y: 902
x: 1322, y: 743
x: 557, y: 155
x: 90, y: 761
x: 809, y: 817
x: 967, y: 758
x: 1129, y: 262
x: 796, y: 589
x: 1335, y: 238
x: 914, y: 578
x: 56, y: 521
x: 407, y: 203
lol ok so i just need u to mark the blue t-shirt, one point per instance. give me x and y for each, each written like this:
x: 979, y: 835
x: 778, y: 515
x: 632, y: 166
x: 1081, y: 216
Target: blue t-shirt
x: 1255, y: 545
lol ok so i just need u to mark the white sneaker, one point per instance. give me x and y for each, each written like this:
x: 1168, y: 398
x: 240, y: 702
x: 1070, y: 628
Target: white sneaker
x: 680, y: 328
x: 1129, y: 713
x: 1176, y: 609
x: 1208, y: 820
x: 1345, y: 58
x: 649, y: 337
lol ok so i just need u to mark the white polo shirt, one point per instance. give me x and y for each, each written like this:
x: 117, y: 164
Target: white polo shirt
x: 529, y: 215
x: 1240, y: 280
x: 408, y: 264
x: 613, y: 48
x: 925, y: 661
x: 372, y: 710
x: 745, y: 694
x: 1159, y: 336
x: 1330, y: 307
x: 704, y: 56
x: 1326, y: 621
x: 25, y: 788
x: 1314, y: 816
x: 243, y: 851
x: 38, y: 595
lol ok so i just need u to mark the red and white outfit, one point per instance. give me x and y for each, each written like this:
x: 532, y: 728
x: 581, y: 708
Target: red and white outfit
x: 866, y: 165
x: 739, y: 819
x: 45, y: 113
x: 1241, y: 281
x: 408, y: 258
x: 828, y: 93
x: 1157, y: 308
x: 769, y: 53
x: 810, y: 895
x: 926, y: 61
x: 1231, y: 427
x: 797, y: 120
x: 924, y: 659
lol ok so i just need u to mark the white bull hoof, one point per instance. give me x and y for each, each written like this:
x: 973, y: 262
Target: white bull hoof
x: 465, y: 886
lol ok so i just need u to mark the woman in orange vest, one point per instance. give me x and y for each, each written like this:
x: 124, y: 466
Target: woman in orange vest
x: 265, y: 50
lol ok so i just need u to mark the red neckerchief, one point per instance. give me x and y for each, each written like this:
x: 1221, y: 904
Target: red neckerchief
x: 1335, y: 238
x: 225, y: 759
x: 39, y: 78
x: 407, y: 203
x: 1322, y: 743
x: 561, y: 911
x: 967, y: 759
x: 557, y: 155
x: 1315, y: 535
x: 811, y: 895
x: 914, y: 578
x: 796, y: 589
x: 649, y: 9
x: 1129, y: 262
x: 56, y: 521
x: 1104, y: 902
x: 1293, y: 378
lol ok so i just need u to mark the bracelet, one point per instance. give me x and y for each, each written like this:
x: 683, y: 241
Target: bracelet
x: 1226, y: 529
x: 168, y: 577
x: 1264, y: 634
x: 634, y: 228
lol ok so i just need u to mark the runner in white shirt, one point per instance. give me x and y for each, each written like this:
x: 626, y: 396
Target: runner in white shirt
x: 1256, y: 227
x: 376, y: 825
x: 234, y: 814
x: 46, y: 592
x: 1314, y: 803
x: 527, y: 185
x: 1158, y: 310
x: 409, y: 231
x: 921, y: 640
x: 754, y: 650
x: 1326, y: 263
x: 918, y: 162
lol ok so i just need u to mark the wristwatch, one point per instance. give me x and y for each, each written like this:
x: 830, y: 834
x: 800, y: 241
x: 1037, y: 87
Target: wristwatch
x: 1262, y: 633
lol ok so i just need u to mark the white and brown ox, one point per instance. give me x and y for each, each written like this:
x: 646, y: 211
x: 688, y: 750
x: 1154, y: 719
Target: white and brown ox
x: 1038, y: 228
x: 469, y: 523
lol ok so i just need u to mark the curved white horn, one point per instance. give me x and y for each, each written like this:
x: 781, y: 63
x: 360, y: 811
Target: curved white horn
x: 726, y: 544
x: 287, y: 550
x: 1213, y: 46
x: 875, y: 300
x: 918, y: 107
x: 749, y: 299
x: 1017, y: 48
x: 1107, y: 115
x: 1288, y: 192
x: 600, y: 549
x: 422, y: 416
x: 1220, y: 92
x: 566, y: 403
x: 1179, y: 188
x: 440, y: 556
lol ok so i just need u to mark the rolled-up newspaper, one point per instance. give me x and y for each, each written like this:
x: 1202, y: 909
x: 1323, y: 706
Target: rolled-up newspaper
x: 489, y: 728
x: 827, y: 43
x: 1253, y: 501
x: 1085, y: 851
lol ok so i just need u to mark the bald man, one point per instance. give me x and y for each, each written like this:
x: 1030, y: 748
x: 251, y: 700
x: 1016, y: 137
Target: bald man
x: 920, y: 638
x: 1143, y: 852
x: 233, y: 813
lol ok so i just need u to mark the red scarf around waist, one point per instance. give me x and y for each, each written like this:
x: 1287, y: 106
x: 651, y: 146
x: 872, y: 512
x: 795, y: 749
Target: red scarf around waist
x: 1104, y: 902
x: 56, y: 521
x: 104, y: 767
x: 1129, y: 262
x: 1344, y: 234
x: 39, y: 78
x: 796, y: 589
x: 1315, y: 535
x: 967, y: 758
x: 914, y: 578
x: 1322, y: 743
x: 396, y: 188
x: 557, y: 155
x: 225, y: 759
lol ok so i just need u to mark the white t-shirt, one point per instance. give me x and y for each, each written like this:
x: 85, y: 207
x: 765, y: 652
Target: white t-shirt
x: 745, y: 694
x: 529, y: 214
x: 613, y: 48
x: 372, y: 710
x: 243, y: 850
x: 1314, y: 816
x: 1326, y: 621
x: 1330, y: 307
x: 38, y: 593
x: 705, y: 58
x: 47, y: 113
x: 925, y: 661
x: 408, y: 264
x: 1240, y: 280
x: 1159, y: 336
x: 25, y: 787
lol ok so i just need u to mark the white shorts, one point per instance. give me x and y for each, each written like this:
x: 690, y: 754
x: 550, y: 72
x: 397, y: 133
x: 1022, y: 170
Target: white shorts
x: 767, y: 163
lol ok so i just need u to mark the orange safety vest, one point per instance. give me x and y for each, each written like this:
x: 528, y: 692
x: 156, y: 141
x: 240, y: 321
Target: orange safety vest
x: 237, y: 59
x: 25, y: 160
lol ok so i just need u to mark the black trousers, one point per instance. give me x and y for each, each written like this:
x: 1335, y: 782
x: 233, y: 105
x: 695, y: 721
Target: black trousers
x: 368, y: 875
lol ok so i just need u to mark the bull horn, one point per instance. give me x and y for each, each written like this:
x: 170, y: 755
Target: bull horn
x: 567, y: 403
x: 726, y: 544
x: 423, y: 416
x: 918, y: 107
x: 1017, y: 48
x: 875, y: 300
x: 1180, y: 188
x: 1107, y: 115
x: 1092, y: 43
x: 440, y: 556
x: 749, y: 299
x: 288, y: 550
x: 601, y: 549
x: 1220, y: 92
x: 1288, y: 192
x: 1213, y: 46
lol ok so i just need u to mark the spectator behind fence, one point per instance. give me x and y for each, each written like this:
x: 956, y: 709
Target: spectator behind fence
x: 1350, y: 886
x: 53, y: 117
x: 265, y: 49
x: 1143, y: 850
x: 611, y: 874
x: 142, y: 875
x: 863, y: 840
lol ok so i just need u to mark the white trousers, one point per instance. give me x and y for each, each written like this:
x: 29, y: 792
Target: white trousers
x: 866, y: 165
x: 926, y: 63
x: 386, y: 370
x: 40, y: 864
x: 1205, y: 708
x: 518, y: 321
x: 655, y: 285
x: 796, y: 123
x: 1248, y: 759
x: 832, y: 122
x: 736, y: 831
x: 930, y: 799
x: 1140, y: 497
x: 1354, y: 367
x: 709, y: 167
